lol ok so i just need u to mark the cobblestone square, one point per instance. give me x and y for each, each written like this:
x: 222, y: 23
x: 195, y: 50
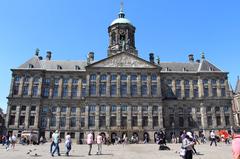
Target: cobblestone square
x: 130, y: 151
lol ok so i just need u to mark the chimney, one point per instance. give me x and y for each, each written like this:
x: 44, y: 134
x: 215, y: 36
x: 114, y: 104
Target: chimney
x: 37, y: 52
x: 49, y: 55
x: 203, y: 56
x: 190, y: 58
x: 151, y: 57
x: 198, y: 61
x: 40, y: 58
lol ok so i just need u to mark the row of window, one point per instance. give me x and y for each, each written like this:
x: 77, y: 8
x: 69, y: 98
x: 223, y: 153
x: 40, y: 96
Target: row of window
x: 123, y: 77
x: 92, y: 108
x: 195, y: 82
x: 23, y: 108
x: 171, y: 110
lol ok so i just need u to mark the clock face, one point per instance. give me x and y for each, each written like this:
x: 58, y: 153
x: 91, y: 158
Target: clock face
x: 121, y: 31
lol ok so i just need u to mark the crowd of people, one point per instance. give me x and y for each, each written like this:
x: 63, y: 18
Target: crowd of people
x: 188, y: 141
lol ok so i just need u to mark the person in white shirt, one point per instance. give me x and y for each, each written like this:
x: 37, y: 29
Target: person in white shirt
x: 99, y: 144
x: 213, y: 138
x: 68, y: 144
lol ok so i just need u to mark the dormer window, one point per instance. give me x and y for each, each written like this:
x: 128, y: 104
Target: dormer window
x: 30, y: 66
x: 59, y: 67
x: 77, y: 67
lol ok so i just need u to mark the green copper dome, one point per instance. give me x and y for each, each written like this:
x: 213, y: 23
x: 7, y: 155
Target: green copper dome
x: 121, y: 19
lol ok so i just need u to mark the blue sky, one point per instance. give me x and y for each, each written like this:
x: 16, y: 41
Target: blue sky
x: 70, y: 29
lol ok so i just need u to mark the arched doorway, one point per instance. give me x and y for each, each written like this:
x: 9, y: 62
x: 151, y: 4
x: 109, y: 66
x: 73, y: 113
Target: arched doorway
x: 155, y: 137
x: 103, y: 137
x: 146, y: 137
x: 113, y: 137
x: 134, y: 138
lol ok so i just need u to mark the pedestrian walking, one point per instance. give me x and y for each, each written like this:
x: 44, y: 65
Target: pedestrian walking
x: 187, y: 144
x: 13, y: 141
x: 68, y: 144
x: 99, y: 144
x: 90, y: 141
x: 213, y: 138
x: 235, y: 143
x: 56, y: 141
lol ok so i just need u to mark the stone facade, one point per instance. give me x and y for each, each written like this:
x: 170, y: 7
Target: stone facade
x: 121, y: 94
x: 236, y: 103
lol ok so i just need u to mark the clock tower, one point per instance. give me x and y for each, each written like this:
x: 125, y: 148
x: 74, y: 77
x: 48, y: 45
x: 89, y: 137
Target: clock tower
x: 121, y: 36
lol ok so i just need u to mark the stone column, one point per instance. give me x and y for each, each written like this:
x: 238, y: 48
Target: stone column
x: 79, y: 89
x: 159, y: 91
x: 60, y: 87
x: 27, y: 117
x: 139, y: 84
x: 52, y: 83
x: 40, y: 87
x: 118, y: 85
x: 11, y: 86
x: 36, y: 119
x: 182, y: 89
x: 70, y: 87
x: 17, y: 116
x: 129, y: 117
x: 128, y: 85
x: 119, y: 115
x: 160, y: 116
x: 140, y: 116
x: 68, y: 116
x: 218, y: 88
x: 97, y: 117
x: 78, y: 117
x: 194, y: 115
x: 58, y: 115
x: 108, y: 85
x: 20, y: 86
x: 200, y: 87
x: 86, y: 116
x: 223, y: 122
x: 191, y: 89
x: 87, y: 84
x: 30, y: 86
x: 174, y: 86
x: 150, y: 117
x: 108, y: 116
x: 97, y: 84
x: 214, y: 118
x: 8, y: 115
x: 210, y: 88
x: 203, y: 116
x: 149, y: 82
x: 227, y: 92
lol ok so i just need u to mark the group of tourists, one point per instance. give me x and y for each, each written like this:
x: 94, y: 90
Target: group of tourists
x: 9, y: 141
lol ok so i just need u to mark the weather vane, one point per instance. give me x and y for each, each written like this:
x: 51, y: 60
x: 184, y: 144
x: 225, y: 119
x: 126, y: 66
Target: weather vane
x: 121, y: 6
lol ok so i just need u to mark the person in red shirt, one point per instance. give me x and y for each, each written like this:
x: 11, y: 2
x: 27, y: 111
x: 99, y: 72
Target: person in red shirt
x: 236, y: 143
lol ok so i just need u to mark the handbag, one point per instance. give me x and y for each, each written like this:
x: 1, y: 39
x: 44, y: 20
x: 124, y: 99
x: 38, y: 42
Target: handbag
x: 182, y: 152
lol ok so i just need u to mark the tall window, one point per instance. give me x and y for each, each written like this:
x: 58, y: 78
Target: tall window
x: 218, y: 118
x: 25, y: 89
x: 123, y: 107
x: 35, y: 90
x: 113, y: 108
x: 178, y: 92
x: 91, y: 120
x: 31, y: 121
x: 82, y: 121
x: 205, y: 91
x: 102, y: 121
x: 103, y: 83
x: 53, y: 121
x: 103, y: 108
x: 73, y: 122
x: 92, y: 88
x: 74, y: 90
x: 124, y: 121
x: 113, y: 121
x: 43, y: 122
x: 46, y: 86
x: 144, y: 89
x: 113, y: 90
x: 214, y: 92
x: 133, y: 89
x: 181, y: 121
x: 83, y: 91
x: 155, y: 121
x: 123, y: 88
x: 65, y: 91
x: 134, y: 121
x: 223, y: 93
x: 145, y: 121
x: 154, y: 89
x: 62, y: 121
x: 195, y: 92
x: 92, y: 108
x: 209, y: 120
x: 187, y: 94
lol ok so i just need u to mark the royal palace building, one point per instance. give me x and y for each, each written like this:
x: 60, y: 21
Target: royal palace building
x: 120, y: 94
